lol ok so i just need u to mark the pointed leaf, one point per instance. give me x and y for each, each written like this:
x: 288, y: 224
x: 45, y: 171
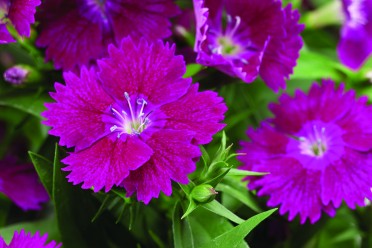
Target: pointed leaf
x: 217, y: 208
x: 182, y: 235
x: 192, y: 69
x: 44, y: 169
x: 237, y: 172
x: 233, y: 237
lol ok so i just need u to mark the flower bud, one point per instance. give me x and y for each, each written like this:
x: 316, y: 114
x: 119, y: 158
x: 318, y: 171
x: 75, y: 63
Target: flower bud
x: 203, y: 193
x: 20, y: 74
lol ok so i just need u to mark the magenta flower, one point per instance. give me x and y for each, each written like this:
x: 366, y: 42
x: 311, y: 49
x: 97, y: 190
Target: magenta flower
x: 257, y: 37
x: 27, y: 240
x: 355, y: 44
x: 317, y: 151
x: 21, y: 184
x: 136, y: 123
x: 76, y: 33
x: 20, y: 13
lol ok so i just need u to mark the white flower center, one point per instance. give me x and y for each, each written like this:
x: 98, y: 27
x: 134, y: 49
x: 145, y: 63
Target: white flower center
x: 133, y: 121
x: 315, y: 144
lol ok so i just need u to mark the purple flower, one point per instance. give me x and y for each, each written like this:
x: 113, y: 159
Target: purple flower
x: 20, y: 13
x: 22, y: 239
x: 248, y: 38
x: 21, y: 184
x: 136, y: 123
x: 355, y: 44
x: 77, y: 33
x: 317, y: 151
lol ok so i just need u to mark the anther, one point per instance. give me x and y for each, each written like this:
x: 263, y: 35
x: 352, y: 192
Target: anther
x: 113, y: 128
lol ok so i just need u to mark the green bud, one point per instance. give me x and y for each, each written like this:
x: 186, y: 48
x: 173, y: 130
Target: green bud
x: 203, y: 193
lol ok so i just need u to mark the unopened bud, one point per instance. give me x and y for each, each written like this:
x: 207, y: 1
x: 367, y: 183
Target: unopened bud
x: 203, y: 193
x: 20, y: 74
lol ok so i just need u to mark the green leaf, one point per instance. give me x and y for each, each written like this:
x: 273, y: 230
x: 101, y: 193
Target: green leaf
x: 206, y: 226
x: 192, y: 206
x: 44, y: 169
x: 239, y: 195
x: 233, y: 237
x: 312, y: 65
x: 106, y: 202
x: 192, y: 69
x: 217, y: 208
x: 324, y: 15
x: 182, y: 235
x: 75, y: 209
x: 26, y: 101
x: 237, y: 172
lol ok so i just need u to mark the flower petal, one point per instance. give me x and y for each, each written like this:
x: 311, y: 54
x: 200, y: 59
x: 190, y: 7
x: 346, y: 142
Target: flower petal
x: 142, y: 68
x: 173, y: 159
x: 281, y: 53
x: 198, y: 112
x: 77, y: 115
x: 107, y: 162
x: 348, y: 179
x: 71, y: 40
x: 21, y: 14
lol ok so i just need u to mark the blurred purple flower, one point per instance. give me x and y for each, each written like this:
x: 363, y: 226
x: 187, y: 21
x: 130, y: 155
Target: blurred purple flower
x: 16, y: 75
x: 136, y: 123
x: 76, y: 33
x: 355, y: 44
x: 317, y: 151
x: 248, y: 38
x: 27, y: 240
x: 20, y: 13
x: 21, y: 184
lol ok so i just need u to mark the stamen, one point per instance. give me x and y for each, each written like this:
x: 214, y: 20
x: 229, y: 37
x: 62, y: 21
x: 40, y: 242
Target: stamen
x: 126, y: 95
x: 117, y: 113
x: 236, y: 26
x: 133, y: 124
x: 113, y: 128
x: 143, y: 102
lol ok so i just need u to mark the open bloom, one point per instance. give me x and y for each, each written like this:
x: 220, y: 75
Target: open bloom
x: 136, y: 123
x: 355, y: 44
x: 76, y: 33
x: 21, y: 184
x: 317, y: 151
x: 27, y: 240
x: 248, y: 38
x: 20, y: 13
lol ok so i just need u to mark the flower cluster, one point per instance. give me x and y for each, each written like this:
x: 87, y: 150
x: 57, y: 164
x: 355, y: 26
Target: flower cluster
x: 316, y: 150
x: 130, y: 118
x: 135, y: 123
x: 248, y: 38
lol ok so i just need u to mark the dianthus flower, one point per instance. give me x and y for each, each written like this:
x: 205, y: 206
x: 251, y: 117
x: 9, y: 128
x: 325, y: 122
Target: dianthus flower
x: 355, y: 44
x: 76, y: 33
x: 20, y: 13
x: 248, y: 38
x: 21, y: 184
x: 317, y: 151
x: 27, y: 240
x: 136, y: 123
